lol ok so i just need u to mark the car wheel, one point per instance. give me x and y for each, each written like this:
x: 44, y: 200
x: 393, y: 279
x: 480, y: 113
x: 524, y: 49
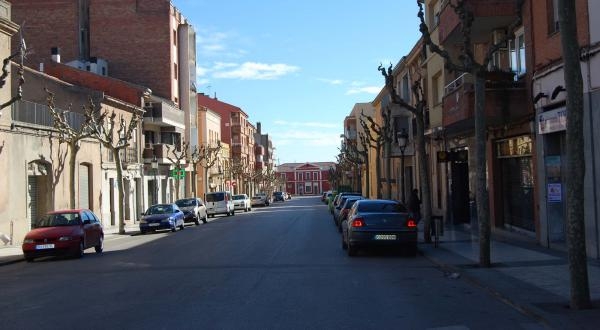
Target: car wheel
x: 182, y: 226
x: 232, y: 212
x: 204, y: 219
x: 79, y: 252
x: 352, y: 251
x: 100, y: 247
x: 197, y: 220
x: 174, y: 228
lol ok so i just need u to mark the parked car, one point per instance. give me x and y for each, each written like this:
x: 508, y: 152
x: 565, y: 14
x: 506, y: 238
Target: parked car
x: 242, y: 202
x: 340, y: 202
x: 324, y: 196
x: 344, y: 209
x: 162, y: 216
x: 337, y: 197
x: 65, y: 232
x: 278, y: 196
x: 193, y: 209
x: 260, y: 199
x: 219, y: 202
x: 379, y: 223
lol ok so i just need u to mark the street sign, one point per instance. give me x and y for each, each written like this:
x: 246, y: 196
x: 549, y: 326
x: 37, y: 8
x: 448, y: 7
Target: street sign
x: 178, y: 174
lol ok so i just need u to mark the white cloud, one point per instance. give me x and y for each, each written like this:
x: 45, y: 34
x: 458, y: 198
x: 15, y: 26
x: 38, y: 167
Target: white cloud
x: 364, y: 90
x: 256, y: 71
x: 331, y: 81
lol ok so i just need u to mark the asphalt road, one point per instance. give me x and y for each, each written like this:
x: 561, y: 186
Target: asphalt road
x: 277, y: 267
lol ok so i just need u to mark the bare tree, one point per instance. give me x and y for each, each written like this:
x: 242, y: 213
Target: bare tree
x: 115, y: 133
x: 178, y: 158
x: 381, y: 138
x: 418, y: 110
x: 71, y: 136
x: 468, y: 63
x: 206, y: 156
x: 21, y: 53
x: 580, y: 291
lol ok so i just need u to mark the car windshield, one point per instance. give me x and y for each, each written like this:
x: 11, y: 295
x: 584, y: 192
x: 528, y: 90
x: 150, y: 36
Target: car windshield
x: 381, y: 207
x: 238, y: 197
x: 60, y: 219
x: 186, y: 202
x: 160, y: 209
x: 216, y: 197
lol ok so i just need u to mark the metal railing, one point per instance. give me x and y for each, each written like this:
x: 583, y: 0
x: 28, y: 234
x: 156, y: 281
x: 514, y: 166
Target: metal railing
x: 39, y: 114
x: 457, y: 83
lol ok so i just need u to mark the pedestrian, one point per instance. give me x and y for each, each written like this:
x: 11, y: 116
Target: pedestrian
x: 414, y: 204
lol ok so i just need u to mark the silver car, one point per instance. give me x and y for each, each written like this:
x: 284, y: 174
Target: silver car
x: 193, y: 209
x: 242, y: 202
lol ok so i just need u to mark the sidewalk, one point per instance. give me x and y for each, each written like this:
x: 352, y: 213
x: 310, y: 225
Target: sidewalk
x: 524, y: 275
x: 531, y: 278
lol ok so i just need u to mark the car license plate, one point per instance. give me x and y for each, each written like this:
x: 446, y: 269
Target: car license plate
x: 154, y: 224
x: 44, y: 246
x: 385, y: 237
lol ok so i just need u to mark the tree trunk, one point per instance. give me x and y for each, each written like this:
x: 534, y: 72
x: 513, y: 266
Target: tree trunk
x: 424, y: 176
x: 580, y: 292
x: 121, y: 188
x: 378, y: 171
x: 482, y: 197
x: 73, y: 148
x: 205, y: 180
x: 367, y: 177
x: 388, y: 169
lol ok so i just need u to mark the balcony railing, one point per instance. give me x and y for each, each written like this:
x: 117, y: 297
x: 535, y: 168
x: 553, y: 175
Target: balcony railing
x: 164, y: 114
x: 39, y: 114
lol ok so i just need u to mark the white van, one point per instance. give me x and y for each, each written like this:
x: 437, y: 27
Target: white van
x: 219, y: 202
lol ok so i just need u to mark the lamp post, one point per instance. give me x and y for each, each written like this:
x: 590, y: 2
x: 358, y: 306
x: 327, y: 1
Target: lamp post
x: 155, y: 168
x: 402, y: 140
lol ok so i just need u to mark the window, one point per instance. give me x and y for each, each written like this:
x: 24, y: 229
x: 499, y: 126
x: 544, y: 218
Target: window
x: 552, y: 10
x: 406, y: 89
x: 517, y: 53
x: 315, y: 176
x: 176, y: 71
x: 175, y: 37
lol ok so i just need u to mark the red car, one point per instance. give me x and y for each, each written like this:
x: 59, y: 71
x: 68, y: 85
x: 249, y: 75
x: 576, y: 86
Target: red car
x: 65, y: 232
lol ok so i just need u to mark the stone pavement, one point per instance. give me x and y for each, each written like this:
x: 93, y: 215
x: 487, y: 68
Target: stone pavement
x: 532, y: 279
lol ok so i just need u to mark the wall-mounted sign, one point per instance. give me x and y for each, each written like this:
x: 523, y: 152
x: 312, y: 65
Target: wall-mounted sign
x: 554, y: 192
x: 552, y: 121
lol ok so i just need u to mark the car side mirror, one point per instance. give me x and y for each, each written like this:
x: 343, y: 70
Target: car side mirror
x: 87, y: 222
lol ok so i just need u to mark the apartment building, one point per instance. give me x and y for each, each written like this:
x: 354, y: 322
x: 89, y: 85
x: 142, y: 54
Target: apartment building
x: 238, y: 133
x: 543, y: 36
x: 146, y: 42
x: 264, y: 157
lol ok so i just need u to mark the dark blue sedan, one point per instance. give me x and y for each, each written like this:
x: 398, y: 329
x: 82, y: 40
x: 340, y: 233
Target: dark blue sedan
x: 162, y: 216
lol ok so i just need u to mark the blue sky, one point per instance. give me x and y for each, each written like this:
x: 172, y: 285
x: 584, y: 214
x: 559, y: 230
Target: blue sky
x: 298, y: 67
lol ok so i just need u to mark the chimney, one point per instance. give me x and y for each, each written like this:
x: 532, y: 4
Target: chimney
x: 258, y: 127
x: 55, y: 51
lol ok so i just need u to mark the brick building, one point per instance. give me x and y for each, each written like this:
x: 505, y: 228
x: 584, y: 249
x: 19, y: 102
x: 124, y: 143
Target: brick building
x: 306, y: 178
x: 146, y: 42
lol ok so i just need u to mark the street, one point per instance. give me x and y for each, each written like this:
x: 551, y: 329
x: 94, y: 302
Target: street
x: 277, y: 267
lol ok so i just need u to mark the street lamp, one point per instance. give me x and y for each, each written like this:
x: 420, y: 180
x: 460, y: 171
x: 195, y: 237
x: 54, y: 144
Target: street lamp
x: 402, y: 140
x: 155, y: 168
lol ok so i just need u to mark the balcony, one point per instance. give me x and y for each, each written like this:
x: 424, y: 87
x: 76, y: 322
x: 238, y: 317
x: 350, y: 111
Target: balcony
x: 505, y: 100
x: 488, y: 15
x: 163, y: 114
x: 160, y: 150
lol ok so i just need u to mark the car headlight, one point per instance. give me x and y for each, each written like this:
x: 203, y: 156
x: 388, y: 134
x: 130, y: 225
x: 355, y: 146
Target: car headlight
x: 28, y: 240
x: 65, y: 238
x: 143, y: 221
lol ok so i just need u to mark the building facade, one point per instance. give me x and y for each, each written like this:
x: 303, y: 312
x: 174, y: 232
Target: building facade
x: 306, y: 178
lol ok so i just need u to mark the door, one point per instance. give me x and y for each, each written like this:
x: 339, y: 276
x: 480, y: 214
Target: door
x: 460, y: 192
x: 84, y: 187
